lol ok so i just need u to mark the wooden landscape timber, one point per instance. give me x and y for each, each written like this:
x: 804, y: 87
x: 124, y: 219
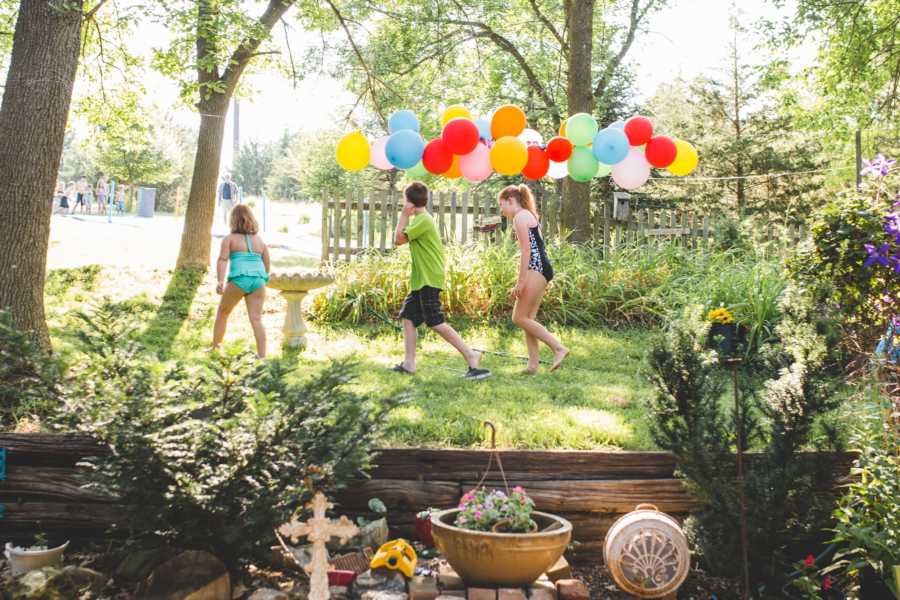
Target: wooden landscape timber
x: 592, y: 489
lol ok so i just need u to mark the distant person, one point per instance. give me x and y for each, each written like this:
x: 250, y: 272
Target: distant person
x: 535, y: 272
x: 60, y: 202
x: 81, y: 189
x: 423, y: 304
x: 102, y: 192
x: 120, y: 199
x: 70, y: 195
x: 228, y: 196
x: 246, y: 258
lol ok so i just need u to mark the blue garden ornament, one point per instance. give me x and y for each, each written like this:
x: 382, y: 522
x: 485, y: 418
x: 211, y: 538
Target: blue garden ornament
x: 888, y: 349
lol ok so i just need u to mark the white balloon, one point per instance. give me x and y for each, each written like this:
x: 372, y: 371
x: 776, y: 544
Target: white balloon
x: 558, y: 170
x: 530, y: 137
x: 633, y: 171
x: 378, y: 158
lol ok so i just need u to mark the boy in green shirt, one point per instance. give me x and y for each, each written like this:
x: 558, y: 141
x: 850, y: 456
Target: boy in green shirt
x: 423, y: 304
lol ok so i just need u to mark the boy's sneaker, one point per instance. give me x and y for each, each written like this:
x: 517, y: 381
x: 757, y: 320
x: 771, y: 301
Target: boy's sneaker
x: 474, y: 373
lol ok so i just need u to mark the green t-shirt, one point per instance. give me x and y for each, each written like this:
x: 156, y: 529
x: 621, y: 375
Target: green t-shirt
x: 427, y: 253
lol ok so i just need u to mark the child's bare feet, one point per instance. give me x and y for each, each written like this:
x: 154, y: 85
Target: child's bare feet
x: 530, y: 370
x: 559, y: 356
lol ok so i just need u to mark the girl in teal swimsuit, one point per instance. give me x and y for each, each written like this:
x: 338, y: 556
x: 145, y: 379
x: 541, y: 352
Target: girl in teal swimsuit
x: 246, y: 258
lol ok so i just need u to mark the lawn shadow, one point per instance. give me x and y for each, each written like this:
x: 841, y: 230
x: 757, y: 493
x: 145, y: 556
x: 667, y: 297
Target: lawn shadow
x: 160, y: 334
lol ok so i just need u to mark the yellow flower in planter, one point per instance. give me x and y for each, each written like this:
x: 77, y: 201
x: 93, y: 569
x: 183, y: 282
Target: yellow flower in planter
x: 720, y: 315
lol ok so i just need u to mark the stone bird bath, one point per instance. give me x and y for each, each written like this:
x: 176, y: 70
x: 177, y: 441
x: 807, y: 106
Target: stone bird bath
x: 294, y: 285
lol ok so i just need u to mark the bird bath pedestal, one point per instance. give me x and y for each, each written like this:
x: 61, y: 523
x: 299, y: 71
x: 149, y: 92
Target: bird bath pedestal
x: 294, y: 285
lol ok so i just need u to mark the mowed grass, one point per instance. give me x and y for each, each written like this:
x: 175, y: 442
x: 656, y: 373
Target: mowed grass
x: 594, y: 402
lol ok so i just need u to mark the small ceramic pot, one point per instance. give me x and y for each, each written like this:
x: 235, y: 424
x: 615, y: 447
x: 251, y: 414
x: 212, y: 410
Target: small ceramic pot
x: 22, y: 561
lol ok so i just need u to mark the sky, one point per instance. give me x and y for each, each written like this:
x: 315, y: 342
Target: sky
x: 686, y: 39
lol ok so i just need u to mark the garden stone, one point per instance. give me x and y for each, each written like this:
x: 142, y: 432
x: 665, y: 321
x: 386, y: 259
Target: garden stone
x: 423, y: 588
x: 482, y: 594
x: 339, y: 592
x: 379, y: 581
x: 511, y: 594
x: 571, y: 589
x: 269, y: 594
x: 542, y: 590
x: 375, y: 595
x: 561, y: 570
x: 448, y: 578
x: 193, y: 574
x: 52, y: 583
x: 454, y: 593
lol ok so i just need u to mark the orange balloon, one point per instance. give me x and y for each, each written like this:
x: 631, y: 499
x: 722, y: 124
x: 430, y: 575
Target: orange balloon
x: 562, y: 128
x: 453, y: 172
x: 509, y: 119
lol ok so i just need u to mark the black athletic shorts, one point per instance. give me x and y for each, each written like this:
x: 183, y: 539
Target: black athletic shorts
x: 423, y: 306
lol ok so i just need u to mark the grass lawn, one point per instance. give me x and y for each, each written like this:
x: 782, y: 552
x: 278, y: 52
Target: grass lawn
x: 594, y: 402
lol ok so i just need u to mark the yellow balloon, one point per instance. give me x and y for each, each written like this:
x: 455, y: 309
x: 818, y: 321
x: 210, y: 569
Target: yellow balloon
x: 509, y: 155
x: 453, y: 172
x: 562, y: 128
x: 353, y: 151
x: 455, y: 111
x: 685, y: 159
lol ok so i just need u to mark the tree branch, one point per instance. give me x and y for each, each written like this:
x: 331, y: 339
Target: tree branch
x: 249, y: 47
x: 543, y: 19
x: 370, y: 77
x: 637, y: 16
x: 90, y: 14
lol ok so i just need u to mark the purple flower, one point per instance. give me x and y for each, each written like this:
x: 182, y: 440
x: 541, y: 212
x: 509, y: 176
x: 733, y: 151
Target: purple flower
x: 879, y: 165
x: 877, y: 255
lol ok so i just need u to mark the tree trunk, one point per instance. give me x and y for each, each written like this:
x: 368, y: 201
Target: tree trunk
x: 32, y: 126
x: 576, y: 206
x: 196, y: 238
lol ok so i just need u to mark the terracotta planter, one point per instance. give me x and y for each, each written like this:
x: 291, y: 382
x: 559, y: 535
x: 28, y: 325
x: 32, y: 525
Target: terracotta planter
x: 423, y: 531
x: 487, y: 559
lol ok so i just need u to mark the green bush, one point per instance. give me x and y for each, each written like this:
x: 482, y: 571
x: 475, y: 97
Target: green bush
x: 635, y: 286
x: 785, y: 392
x: 213, y: 456
x: 29, y: 378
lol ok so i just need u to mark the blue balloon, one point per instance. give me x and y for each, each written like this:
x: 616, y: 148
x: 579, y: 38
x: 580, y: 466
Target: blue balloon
x: 610, y: 146
x: 403, y: 119
x: 618, y: 124
x: 484, y: 129
x: 404, y: 149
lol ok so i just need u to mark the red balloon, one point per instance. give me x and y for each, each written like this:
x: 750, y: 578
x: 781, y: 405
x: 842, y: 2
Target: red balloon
x: 460, y: 136
x: 559, y: 149
x: 538, y: 163
x: 660, y: 151
x: 639, y: 130
x: 437, y: 158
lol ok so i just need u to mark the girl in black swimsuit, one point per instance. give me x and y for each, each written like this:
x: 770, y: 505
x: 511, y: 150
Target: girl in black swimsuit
x: 535, y: 272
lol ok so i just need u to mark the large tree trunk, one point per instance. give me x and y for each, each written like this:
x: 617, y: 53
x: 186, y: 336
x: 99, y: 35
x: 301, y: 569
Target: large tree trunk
x: 32, y: 126
x: 196, y: 238
x: 580, y: 16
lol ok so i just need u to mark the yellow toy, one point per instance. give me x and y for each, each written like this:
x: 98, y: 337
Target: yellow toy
x: 396, y: 555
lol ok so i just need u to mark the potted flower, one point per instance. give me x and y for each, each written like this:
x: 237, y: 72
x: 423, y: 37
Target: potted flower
x: 497, y: 539
x: 722, y: 331
x: 38, y: 555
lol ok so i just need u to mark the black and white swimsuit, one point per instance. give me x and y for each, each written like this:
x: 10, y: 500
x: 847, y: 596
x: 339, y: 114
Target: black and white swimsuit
x: 539, y: 261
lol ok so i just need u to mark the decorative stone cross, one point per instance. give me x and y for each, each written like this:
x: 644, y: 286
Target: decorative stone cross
x: 319, y: 529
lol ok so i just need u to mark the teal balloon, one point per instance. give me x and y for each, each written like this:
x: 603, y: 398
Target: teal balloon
x: 581, y: 129
x: 582, y: 164
x: 618, y: 124
x: 418, y: 170
x: 484, y: 129
x: 404, y: 149
x: 603, y: 170
x: 610, y: 146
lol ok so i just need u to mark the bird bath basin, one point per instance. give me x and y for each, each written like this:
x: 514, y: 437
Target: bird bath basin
x: 294, y: 285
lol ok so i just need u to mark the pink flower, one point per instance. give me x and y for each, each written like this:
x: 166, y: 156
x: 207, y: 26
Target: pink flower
x: 827, y: 583
x: 810, y: 560
x: 519, y: 489
x: 477, y: 514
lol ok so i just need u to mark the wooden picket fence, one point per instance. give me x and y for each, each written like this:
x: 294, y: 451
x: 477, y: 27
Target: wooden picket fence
x: 364, y: 223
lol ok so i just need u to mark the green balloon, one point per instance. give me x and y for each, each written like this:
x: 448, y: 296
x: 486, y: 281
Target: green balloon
x: 603, y: 170
x: 582, y: 164
x: 581, y: 129
x: 417, y: 171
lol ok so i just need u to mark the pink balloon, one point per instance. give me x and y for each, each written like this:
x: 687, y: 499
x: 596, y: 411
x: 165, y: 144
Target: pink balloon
x: 379, y: 157
x: 633, y: 171
x: 476, y: 165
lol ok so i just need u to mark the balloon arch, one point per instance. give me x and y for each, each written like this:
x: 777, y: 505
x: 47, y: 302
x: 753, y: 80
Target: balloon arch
x: 476, y: 148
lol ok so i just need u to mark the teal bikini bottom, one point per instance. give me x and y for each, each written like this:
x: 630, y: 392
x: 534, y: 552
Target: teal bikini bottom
x: 248, y: 283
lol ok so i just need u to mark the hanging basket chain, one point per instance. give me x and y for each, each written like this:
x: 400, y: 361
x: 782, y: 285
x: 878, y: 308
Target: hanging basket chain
x: 493, y: 452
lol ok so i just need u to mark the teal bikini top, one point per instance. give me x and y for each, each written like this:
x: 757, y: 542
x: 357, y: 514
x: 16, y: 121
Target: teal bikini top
x: 246, y: 263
